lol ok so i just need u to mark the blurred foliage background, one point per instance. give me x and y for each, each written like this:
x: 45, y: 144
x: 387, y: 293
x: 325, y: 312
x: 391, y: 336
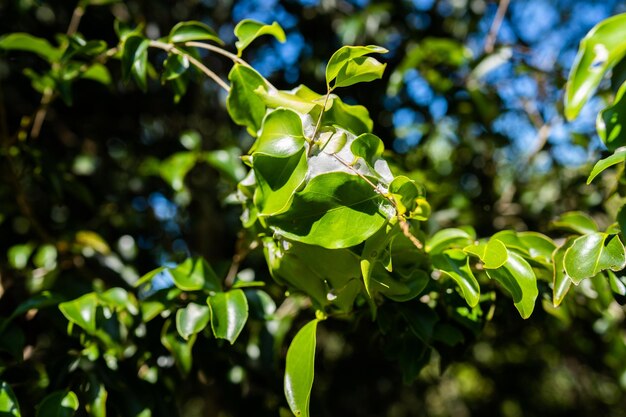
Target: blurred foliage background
x: 470, y: 108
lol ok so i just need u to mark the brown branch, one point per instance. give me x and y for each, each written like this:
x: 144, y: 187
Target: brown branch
x: 77, y: 15
x: 495, y: 26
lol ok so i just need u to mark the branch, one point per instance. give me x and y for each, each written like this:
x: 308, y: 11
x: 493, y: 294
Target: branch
x: 495, y: 26
x: 171, y: 48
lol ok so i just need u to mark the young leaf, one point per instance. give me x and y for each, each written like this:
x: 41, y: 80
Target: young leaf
x: 561, y: 281
x: 405, y: 193
x: 369, y: 147
x: 495, y: 255
x: 174, y: 66
x: 229, y: 313
x: 359, y: 70
x: 135, y: 59
x: 518, y: 278
x: 192, y: 319
x: 30, y: 43
x: 346, y: 56
x: 9, y: 406
x: 602, y: 48
x: 58, y: 404
x: 593, y: 253
x: 193, y: 31
x: 244, y: 106
x: 248, y: 30
x: 605, y: 163
x: 455, y: 264
x: 195, y: 274
x: 97, y: 72
x: 334, y: 210
x: 300, y: 369
x: 577, y: 222
x: 82, y: 311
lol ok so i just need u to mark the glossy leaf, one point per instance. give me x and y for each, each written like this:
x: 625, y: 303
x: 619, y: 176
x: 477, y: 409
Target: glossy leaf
x: 610, y: 122
x: 192, y: 31
x: 174, y: 66
x: 518, y: 278
x: 448, y: 238
x: 455, y: 264
x: 195, y: 274
x: 605, y: 163
x: 229, y: 313
x: 334, y: 210
x: 602, y: 48
x: 352, y: 117
x: 539, y: 246
x: 405, y: 193
x: 8, y: 403
x: 135, y: 60
x: 248, y: 30
x: 58, y: 404
x: 577, y: 222
x: 617, y: 284
x: 192, y: 319
x: 178, y: 347
x: 345, y: 70
x: 368, y: 146
x: 30, y: 43
x: 82, y: 311
x: 495, y: 254
x: 593, y: 253
x: 300, y: 369
x: 244, y: 106
x: 561, y: 281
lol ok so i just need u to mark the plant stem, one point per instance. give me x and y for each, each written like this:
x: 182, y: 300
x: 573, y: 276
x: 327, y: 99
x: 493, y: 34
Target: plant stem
x: 218, y: 50
x: 77, y: 15
x: 171, y: 48
x: 495, y: 26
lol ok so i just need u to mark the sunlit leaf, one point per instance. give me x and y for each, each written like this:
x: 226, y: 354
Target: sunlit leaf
x: 617, y: 284
x: 602, y: 48
x: 135, y: 60
x: 593, y: 253
x: 175, y: 168
x: 575, y: 221
x: 455, y: 264
x: 195, y: 274
x: 18, y: 255
x: 369, y: 147
x: 9, y: 406
x: 30, y: 43
x: 300, y: 369
x: 192, y: 319
x: 334, y: 210
x: 97, y: 72
x: 448, y: 238
x: 192, y: 31
x: 605, y: 163
x: 174, y: 66
x: 58, y: 404
x: 248, y: 30
x: 178, y: 347
x: 244, y: 106
x: 561, y: 281
x: 228, y: 162
x: 610, y: 122
x: 82, y: 311
x: 518, y: 278
x: 348, y: 65
x: 229, y: 313
x: 97, y: 398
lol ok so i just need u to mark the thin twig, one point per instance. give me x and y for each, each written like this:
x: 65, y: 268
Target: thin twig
x: 171, y: 48
x: 77, y: 15
x: 495, y: 26
x: 218, y: 50
x: 42, y: 111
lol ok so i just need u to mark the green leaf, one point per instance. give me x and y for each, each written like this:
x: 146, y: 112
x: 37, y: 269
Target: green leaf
x: 617, y: 284
x: 602, y: 48
x: 45, y: 299
x: 369, y: 147
x: 495, y: 254
x: 135, y: 59
x: 58, y: 404
x: 448, y: 238
x: 334, y: 210
x: 374, y: 251
x: 195, y: 274
x: 174, y: 66
x: 244, y: 106
x: 97, y: 396
x: 354, y: 118
x: 179, y: 347
x: 593, y: 253
x: 30, y: 43
x: 97, y: 72
x: 192, y: 319
x: 347, y: 66
x: 539, y: 246
x: 175, y: 168
x: 518, y: 278
x: 278, y: 98
x: 610, y: 122
x: 248, y: 30
x: 18, y: 255
x: 300, y: 369
x: 561, y: 281
x: 279, y: 161
x: 228, y: 162
x: 119, y: 299
x: 229, y: 313
x: 455, y: 264
x: 605, y: 163
x: 405, y: 193
x: 8, y: 403
x: 45, y: 257
x: 577, y: 222
x: 82, y: 311
x: 193, y: 31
